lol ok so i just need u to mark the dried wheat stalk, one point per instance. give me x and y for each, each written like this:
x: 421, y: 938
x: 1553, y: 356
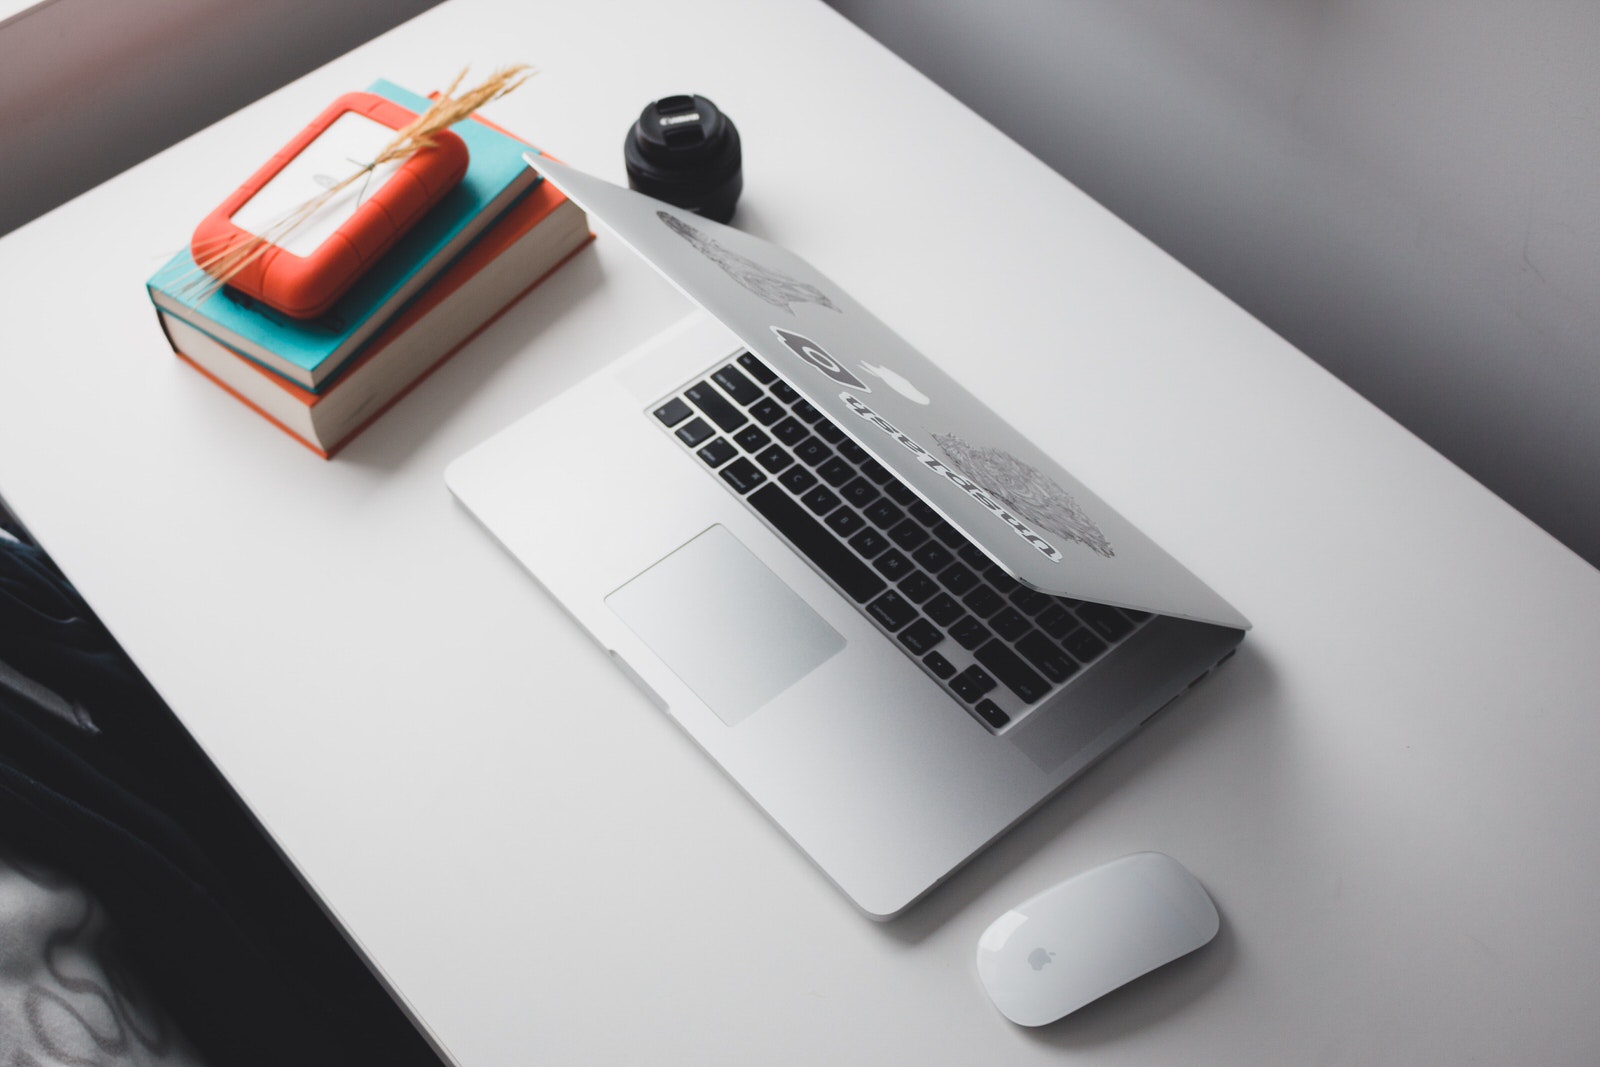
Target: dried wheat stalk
x: 226, y: 263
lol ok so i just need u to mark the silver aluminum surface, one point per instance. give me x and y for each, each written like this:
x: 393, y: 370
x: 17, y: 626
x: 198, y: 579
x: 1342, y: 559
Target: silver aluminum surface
x: 867, y: 764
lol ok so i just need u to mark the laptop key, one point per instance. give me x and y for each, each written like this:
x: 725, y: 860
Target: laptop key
x: 972, y: 555
x: 892, y: 610
x: 1020, y: 678
x: 875, y: 471
x: 813, y: 540
x: 774, y: 459
x: 718, y: 452
x: 948, y: 535
x: 820, y: 500
x: 835, y: 472
x: 766, y: 411
x: 907, y: 534
x: 1029, y: 601
x: 715, y: 406
x: 957, y: 579
x: 845, y: 522
x: 1003, y: 582
x: 784, y: 392
x: 969, y: 632
x: 869, y: 542
x: 790, y: 430
x: 852, y: 451
x: 972, y: 683
x: 883, y: 513
x: 943, y: 609
x: 737, y: 386
x: 932, y: 557
x: 1105, y: 621
x: 1047, y: 659
x: 1010, y: 624
x: 828, y: 432
x: 751, y: 438
x: 804, y: 411
x: 920, y: 636
x: 1056, y: 621
x: 798, y: 479
x: 892, y: 565
x: 983, y: 601
x: 812, y: 451
x: 742, y: 475
x: 990, y: 713
x: 860, y: 492
x: 758, y: 370
x: 918, y: 587
x: 900, y: 492
x: 692, y: 433
x: 1083, y: 644
x: 941, y: 667
x: 673, y: 412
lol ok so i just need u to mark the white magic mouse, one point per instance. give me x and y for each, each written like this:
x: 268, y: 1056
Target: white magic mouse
x: 1054, y: 953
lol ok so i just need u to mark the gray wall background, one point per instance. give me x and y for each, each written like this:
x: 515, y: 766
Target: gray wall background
x: 1407, y: 190
x: 88, y: 88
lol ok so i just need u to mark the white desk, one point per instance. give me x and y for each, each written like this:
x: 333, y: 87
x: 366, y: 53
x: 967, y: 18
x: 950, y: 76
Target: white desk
x: 1391, y: 791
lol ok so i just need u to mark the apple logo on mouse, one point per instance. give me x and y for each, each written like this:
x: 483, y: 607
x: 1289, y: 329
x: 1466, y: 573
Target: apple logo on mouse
x: 1039, y: 957
x: 896, y: 382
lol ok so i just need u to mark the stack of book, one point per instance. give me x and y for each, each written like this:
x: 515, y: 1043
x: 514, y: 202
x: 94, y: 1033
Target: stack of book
x: 495, y: 236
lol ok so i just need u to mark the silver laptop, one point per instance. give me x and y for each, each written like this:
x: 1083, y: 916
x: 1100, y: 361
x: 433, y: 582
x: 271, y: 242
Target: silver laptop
x: 895, y: 622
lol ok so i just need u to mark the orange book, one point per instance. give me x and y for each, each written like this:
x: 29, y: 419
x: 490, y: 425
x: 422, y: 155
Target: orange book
x: 528, y: 242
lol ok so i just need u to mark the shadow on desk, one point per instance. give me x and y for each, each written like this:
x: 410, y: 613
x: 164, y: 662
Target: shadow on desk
x: 399, y: 433
x: 1236, y: 701
x: 1237, y: 695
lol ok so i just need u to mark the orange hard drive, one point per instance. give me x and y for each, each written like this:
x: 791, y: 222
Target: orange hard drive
x: 304, y: 282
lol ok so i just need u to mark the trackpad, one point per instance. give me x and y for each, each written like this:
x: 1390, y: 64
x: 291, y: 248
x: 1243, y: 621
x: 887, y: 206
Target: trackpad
x: 725, y: 624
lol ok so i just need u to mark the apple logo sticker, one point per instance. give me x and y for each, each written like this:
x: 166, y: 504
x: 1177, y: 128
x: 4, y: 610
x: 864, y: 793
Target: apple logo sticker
x: 894, y: 380
x: 1039, y: 957
x: 818, y: 357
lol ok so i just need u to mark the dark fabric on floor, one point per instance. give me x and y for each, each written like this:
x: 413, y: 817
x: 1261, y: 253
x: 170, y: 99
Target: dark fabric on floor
x: 118, y: 794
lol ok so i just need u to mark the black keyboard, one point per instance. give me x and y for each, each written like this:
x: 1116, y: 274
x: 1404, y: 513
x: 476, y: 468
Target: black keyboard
x: 999, y: 647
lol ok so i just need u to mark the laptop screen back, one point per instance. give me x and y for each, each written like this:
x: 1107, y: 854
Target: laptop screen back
x: 1035, y: 520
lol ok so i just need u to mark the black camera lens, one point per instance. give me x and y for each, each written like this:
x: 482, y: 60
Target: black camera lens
x: 685, y: 151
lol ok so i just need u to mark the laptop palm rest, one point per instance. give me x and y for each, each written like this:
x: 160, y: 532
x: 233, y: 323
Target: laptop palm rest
x: 725, y: 624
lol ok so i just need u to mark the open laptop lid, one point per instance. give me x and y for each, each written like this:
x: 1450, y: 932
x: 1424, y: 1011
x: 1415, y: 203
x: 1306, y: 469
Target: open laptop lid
x: 1036, y: 521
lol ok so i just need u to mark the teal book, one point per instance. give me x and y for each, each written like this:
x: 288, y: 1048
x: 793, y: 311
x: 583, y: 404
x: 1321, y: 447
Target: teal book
x: 310, y: 352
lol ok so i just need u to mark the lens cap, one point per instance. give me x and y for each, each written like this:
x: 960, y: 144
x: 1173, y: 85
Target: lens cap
x: 685, y: 151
